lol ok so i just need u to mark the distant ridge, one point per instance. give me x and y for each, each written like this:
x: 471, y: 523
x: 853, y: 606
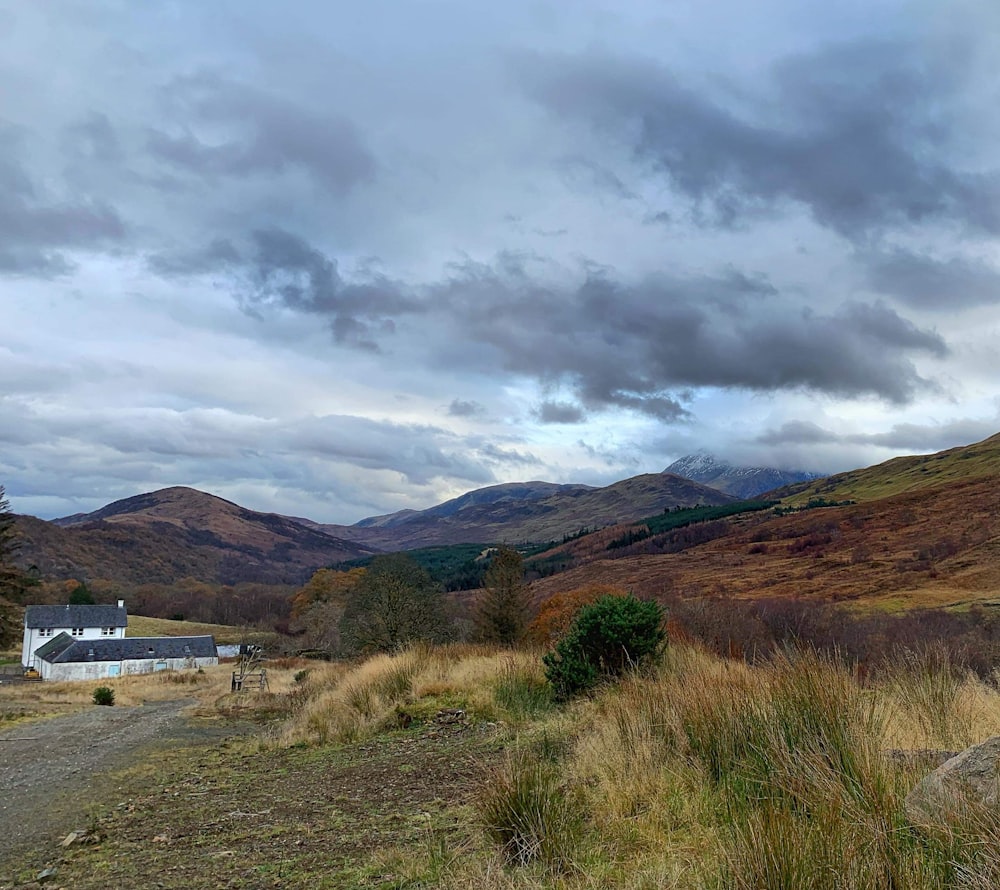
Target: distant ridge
x: 529, y: 511
x: 739, y: 481
x: 163, y: 536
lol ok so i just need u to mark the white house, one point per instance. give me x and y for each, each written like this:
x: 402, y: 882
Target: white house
x: 42, y: 624
x: 68, y: 658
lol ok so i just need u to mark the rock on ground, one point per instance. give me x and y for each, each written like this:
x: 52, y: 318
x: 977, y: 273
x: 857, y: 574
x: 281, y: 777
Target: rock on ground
x: 970, y: 779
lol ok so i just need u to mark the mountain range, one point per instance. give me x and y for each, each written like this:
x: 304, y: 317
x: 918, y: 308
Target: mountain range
x: 173, y: 533
x: 739, y: 481
x: 920, y: 530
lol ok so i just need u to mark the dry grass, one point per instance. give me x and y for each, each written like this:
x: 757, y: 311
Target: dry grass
x: 702, y: 774
x: 352, y: 702
x: 209, y: 688
x: 716, y: 774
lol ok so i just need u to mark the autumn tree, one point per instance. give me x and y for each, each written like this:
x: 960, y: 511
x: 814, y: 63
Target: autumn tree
x: 558, y: 612
x: 318, y: 607
x: 395, y: 602
x: 505, y: 608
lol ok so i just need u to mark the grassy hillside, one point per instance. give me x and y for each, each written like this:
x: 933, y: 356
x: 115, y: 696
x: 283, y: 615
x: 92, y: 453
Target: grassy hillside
x: 903, y: 474
x: 140, y: 626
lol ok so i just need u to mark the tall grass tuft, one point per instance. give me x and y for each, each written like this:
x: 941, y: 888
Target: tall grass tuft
x: 521, y: 689
x: 530, y: 814
x: 929, y: 687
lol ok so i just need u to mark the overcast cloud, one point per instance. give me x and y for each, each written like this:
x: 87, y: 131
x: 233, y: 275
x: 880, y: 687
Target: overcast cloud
x: 337, y: 260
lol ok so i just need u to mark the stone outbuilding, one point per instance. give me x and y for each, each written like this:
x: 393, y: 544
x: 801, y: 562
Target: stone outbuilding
x: 68, y: 658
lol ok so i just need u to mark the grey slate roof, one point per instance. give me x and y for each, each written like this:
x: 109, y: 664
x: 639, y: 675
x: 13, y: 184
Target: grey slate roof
x: 128, y: 649
x: 56, y: 646
x: 75, y: 616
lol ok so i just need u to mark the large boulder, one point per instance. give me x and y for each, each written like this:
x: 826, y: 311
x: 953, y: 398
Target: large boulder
x: 969, y: 780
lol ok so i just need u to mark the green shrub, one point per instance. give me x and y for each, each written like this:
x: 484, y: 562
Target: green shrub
x: 104, y: 695
x: 607, y: 637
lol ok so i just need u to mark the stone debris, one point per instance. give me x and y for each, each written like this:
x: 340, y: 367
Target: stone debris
x: 80, y: 836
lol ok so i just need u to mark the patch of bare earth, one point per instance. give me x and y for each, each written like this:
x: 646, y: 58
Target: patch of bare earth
x: 238, y: 815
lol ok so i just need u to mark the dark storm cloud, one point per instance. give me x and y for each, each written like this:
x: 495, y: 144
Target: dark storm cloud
x: 505, y: 456
x: 926, y: 282
x: 36, y: 225
x: 855, y: 134
x: 614, y: 344
x: 797, y: 432
x: 634, y: 345
x: 262, y: 134
x: 288, y: 271
x: 560, y: 412
x: 219, y: 255
x: 92, y: 138
x: 421, y: 453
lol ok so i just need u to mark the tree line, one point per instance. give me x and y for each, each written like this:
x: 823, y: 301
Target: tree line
x: 394, y: 601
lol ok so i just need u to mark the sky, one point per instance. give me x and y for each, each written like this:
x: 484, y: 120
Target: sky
x: 337, y: 259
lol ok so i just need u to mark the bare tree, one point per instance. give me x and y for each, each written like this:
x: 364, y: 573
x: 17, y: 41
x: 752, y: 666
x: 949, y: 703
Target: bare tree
x: 396, y: 602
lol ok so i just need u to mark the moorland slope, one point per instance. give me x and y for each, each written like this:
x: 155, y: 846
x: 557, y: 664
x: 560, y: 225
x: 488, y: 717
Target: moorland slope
x: 931, y: 539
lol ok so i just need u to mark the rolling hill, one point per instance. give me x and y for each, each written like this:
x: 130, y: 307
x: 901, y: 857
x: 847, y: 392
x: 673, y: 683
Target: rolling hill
x: 932, y: 539
x: 901, y: 474
x: 921, y: 530
x: 174, y: 533
x: 166, y: 535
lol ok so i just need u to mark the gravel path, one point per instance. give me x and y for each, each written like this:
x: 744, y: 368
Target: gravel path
x: 50, y: 770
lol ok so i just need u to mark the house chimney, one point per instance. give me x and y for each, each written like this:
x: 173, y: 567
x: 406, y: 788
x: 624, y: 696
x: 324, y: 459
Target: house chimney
x: 121, y: 604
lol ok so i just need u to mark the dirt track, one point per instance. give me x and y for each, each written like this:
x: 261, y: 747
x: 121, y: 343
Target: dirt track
x: 51, y: 770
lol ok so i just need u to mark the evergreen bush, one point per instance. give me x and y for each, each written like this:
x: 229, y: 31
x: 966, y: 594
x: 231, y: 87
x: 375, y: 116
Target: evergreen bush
x: 104, y: 695
x: 608, y: 637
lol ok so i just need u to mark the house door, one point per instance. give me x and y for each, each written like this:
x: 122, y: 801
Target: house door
x: 114, y: 670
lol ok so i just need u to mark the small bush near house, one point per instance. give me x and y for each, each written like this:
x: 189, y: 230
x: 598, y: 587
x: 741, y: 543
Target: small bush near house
x: 606, y: 638
x: 104, y: 695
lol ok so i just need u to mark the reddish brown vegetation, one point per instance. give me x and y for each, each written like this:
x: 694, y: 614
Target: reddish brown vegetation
x: 556, y: 614
x: 926, y: 548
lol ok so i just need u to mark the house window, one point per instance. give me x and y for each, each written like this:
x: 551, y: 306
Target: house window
x: 77, y: 631
x: 45, y: 631
x: 107, y: 631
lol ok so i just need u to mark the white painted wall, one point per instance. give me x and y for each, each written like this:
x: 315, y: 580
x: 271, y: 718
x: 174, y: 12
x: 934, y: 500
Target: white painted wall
x: 33, y: 640
x: 100, y: 670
